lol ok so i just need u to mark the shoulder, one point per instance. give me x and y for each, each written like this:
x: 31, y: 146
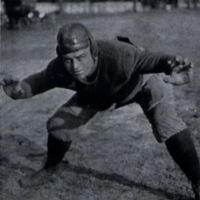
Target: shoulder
x: 55, y: 70
x: 108, y: 45
x: 117, y: 48
x: 110, y: 54
x: 54, y: 66
x: 110, y: 51
x: 118, y: 55
x: 56, y: 62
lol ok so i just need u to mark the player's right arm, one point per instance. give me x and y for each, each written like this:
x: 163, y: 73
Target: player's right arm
x: 32, y: 85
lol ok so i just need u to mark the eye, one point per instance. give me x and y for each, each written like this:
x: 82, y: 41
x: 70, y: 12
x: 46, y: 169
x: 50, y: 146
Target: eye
x: 81, y: 57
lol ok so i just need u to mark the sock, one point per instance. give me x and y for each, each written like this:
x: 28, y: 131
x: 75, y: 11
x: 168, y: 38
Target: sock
x: 182, y: 150
x: 56, y: 151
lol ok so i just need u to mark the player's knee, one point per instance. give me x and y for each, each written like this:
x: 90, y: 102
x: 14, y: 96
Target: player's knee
x: 54, y: 123
x: 58, y: 128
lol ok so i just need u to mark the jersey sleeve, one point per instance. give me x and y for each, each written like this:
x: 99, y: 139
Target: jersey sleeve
x: 148, y: 62
x: 141, y: 61
x: 49, y: 78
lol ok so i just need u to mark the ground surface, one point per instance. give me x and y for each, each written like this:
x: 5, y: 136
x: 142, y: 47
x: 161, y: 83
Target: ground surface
x: 116, y: 157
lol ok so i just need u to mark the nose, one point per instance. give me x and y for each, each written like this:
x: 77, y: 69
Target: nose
x: 76, y: 66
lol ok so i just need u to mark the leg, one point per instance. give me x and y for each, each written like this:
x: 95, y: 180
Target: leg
x: 182, y: 150
x: 157, y: 102
x: 62, y: 127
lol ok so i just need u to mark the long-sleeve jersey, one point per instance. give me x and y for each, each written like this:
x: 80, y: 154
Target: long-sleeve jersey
x: 119, y: 73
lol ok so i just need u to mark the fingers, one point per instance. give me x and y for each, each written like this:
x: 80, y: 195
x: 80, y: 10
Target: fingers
x: 191, y: 65
x: 185, y: 67
x: 182, y: 78
x: 180, y: 64
x: 182, y: 61
x: 178, y: 61
x: 8, y: 80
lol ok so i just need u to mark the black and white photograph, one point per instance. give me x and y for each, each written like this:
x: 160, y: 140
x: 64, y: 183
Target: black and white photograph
x: 100, y: 100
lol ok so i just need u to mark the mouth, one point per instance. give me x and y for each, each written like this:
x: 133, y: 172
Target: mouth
x: 77, y: 72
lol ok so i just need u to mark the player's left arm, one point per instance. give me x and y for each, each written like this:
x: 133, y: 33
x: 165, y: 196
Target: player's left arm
x: 179, y: 69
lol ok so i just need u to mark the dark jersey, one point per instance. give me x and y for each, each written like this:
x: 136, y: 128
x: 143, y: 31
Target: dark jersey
x: 119, y: 73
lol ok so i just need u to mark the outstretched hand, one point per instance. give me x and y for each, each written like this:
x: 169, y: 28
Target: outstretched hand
x: 11, y: 85
x: 181, y: 71
x: 8, y: 80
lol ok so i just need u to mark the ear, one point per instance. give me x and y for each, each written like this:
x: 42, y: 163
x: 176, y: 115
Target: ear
x: 58, y: 52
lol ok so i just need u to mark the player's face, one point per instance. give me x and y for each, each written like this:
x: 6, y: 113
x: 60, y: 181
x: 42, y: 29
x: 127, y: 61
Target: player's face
x: 79, y: 63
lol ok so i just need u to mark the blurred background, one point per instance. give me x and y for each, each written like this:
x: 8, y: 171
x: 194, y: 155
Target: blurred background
x: 15, y: 13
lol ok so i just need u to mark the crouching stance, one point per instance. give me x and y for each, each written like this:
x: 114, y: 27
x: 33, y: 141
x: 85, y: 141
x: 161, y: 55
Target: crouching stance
x: 103, y: 74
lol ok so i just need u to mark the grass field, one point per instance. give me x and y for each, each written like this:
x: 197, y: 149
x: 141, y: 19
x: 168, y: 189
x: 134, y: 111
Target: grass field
x: 116, y: 156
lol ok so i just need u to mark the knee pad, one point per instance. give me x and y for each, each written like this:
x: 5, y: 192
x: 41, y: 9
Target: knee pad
x: 55, y: 123
x: 56, y: 129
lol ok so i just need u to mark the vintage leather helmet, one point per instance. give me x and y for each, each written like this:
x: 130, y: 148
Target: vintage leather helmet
x: 73, y: 37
